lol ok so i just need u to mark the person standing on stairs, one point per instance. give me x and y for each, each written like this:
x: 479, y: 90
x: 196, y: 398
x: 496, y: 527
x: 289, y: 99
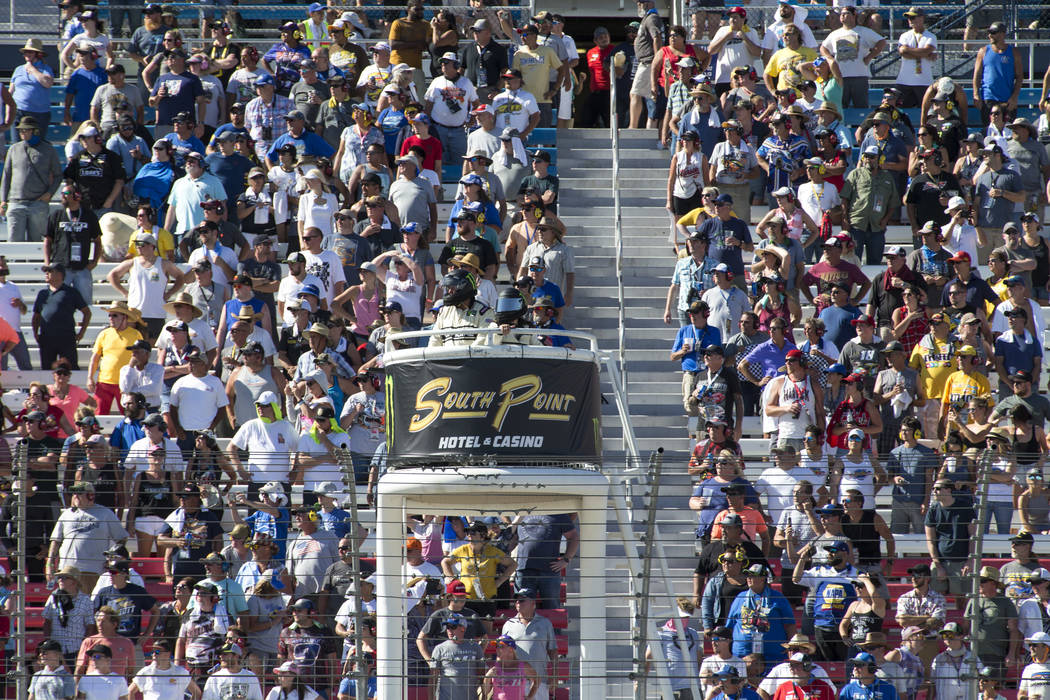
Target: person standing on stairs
x: 794, y: 401
x: 693, y: 275
x: 690, y: 341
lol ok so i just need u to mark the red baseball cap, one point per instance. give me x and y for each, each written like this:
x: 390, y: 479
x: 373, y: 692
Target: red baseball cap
x: 792, y: 354
x: 738, y: 11
x: 456, y: 588
x: 961, y: 256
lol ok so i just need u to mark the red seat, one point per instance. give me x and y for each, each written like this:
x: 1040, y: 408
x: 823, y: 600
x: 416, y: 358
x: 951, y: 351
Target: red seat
x: 149, y: 567
x: 563, y: 644
x: 160, y: 590
x: 561, y: 694
x: 561, y: 672
x: 34, y: 618
x: 37, y: 593
x: 836, y: 671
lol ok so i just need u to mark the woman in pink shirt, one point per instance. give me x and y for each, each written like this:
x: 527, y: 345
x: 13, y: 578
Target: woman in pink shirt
x: 510, y: 679
x: 65, y: 395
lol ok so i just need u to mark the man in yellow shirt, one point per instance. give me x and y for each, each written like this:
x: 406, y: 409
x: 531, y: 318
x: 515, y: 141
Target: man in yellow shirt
x: 409, y: 37
x: 536, y: 63
x: 965, y: 384
x: 479, y: 563
x: 932, y: 356
x: 783, y: 65
x: 111, y: 352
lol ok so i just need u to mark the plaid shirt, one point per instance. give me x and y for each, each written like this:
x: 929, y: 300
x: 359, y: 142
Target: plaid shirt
x: 678, y: 98
x: 260, y: 118
x: 71, y: 634
x: 912, y: 603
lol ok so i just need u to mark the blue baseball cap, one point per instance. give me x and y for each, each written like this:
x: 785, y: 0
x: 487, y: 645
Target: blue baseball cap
x: 471, y: 179
x: 310, y: 289
x: 837, y: 546
x: 410, y: 227
x: 862, y: 658
x: 728, y: 671
x: 526, y: 592
x: 455, y: 620
x: 830, y: 509
x: 838, y: 368
x: 315, y: 7
x: 422, y: 118
x: 265, y: 79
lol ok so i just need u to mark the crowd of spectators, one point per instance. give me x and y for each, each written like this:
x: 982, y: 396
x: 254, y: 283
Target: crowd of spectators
x: 896, y: 387
x: 332, y: 146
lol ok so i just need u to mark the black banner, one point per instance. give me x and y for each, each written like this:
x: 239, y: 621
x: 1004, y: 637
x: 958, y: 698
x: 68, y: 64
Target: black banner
x: 493, y: 406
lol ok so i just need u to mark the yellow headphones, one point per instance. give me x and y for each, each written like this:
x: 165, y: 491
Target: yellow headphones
x: 314, y: 514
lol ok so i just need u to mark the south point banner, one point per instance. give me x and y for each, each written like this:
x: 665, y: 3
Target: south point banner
x: 493, y: 406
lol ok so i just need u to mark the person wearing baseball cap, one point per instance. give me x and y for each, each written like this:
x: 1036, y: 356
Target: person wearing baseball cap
x: 998, y: 191
x: 887, y: 293
x: 870, y: 190
x: 450, y: 97
x: 433, y: 631
x: 965, y: 383
x: 833, y: 268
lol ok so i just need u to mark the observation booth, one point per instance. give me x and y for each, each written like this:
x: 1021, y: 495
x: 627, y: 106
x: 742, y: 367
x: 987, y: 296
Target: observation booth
x: 491, y: 430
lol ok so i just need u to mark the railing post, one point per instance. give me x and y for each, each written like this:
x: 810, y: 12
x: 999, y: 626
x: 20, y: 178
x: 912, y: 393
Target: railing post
x: 20, y: 471
x: 361, y: 674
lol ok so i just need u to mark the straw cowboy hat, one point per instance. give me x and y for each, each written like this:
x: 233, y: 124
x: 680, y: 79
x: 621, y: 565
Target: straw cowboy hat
x: 247, y: 314
x: 470, y: 261
x: 801, y: 641
x: 34, y: 45
x: 120, y: 306
x: 183, y: 298
x: 775, y: 250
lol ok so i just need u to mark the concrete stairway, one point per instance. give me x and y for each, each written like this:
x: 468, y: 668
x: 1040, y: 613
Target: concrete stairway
x: 584, y: 158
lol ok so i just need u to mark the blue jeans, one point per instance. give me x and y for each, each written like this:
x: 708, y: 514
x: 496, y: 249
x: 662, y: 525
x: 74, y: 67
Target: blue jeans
x: 26, y: 221
x: 1003, y: 513
x: 546, y: 583
x: 20, y: 353
x: 872, y: 241
x: 81, y: 281
x: 453, y: 143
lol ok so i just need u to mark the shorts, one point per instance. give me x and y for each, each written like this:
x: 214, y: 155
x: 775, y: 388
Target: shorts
x: 151, y: 525
x: 642, y: 87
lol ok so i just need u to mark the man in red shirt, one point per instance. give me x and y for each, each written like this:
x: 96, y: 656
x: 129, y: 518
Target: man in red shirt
x: 803, y: 685
x: 833, y: 270
x: 596, y: 108
x: 421, y: 137
x: 8, y: 337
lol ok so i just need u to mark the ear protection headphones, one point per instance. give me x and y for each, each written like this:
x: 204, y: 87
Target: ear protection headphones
x: 253, y: 53
x: 314, y: 514
x: 297, y: 35
x: 789, y: 95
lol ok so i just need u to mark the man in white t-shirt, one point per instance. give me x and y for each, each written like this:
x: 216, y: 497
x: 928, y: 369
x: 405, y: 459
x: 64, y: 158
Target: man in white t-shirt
x: 200, y: 333
x: 163, y: 680
x: 778, y: 483
x: 323, y: 264
x: 853, y: 47
x: 817, y: 196
x: 918, y: 50
x: 515, y: 107
x: 319, y: 452
x: 449, y: 100
x: 138, y: 453
x: 291, y: 283
x: 11, y: 309
x: 232, y: 681
x: 196, y: 402
x: 101, y: 683
x: 787, y: 15
x: 268, y: 440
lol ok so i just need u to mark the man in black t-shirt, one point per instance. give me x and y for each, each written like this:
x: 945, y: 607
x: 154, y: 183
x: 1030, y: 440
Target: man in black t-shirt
x: 129, y: 600
x: 73, y: 239
x: 468, y: 241
x: 43, y: 453
x: 733, y: 537
x: 265, y: 274
x: 177, y: 91
x: 433, y: 631
x: 53, y: 318
x: 193, y: 532
x: 928, y: 194
x: 97, y: 171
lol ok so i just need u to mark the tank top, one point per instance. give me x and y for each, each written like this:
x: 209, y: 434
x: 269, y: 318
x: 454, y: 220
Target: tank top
x: 154, y: 497
x: 105, y: 481
x: 689, y: 174
x: 817, y: 466
x: 366, y: 312
x: 510, y: 684
x: 997, y: 78
x: 863, y: 623
x: 1039, y: 510
x: 791, y: 391
x: 1027, y: 452
x: 859, y: 476
x: 248, y: 387
x: 146, y: 287
x: 767, y: 315
x: 863, y: 536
